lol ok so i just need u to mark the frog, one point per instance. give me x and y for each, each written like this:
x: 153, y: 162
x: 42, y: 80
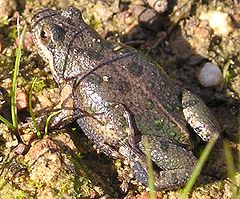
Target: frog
x: 122, y: 99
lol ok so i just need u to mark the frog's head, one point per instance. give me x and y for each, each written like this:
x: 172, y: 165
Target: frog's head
x: 57, y: 36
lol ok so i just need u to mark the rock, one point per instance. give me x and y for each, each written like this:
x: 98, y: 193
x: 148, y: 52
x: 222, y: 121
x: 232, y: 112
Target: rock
x: 210, y: 75
x: 159, y: 5
x: 21, y: 100
x: 7, y: 7
x: 219, y: 21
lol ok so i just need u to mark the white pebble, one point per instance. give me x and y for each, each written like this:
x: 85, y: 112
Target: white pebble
x: 219, y: 21
x: 210, y: 75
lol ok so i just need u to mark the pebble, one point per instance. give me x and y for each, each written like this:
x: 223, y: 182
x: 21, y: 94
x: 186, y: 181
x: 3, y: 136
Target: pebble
x: 21, y: 149
x: 21, y: 100
x: 27, y: 41
x: 159, y: 5
x: 210, y: 75
x: 219, y: 21
x: 7, y: 7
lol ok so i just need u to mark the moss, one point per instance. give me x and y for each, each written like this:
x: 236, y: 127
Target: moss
x: 39, y: 85
x: 12, y: 33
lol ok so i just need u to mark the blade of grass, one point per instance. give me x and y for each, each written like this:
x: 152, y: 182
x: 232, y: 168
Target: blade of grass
x: 39, y: 135
x: 238, y: 138
x: 198, y: 168
x: 48, y: 120
x: 150, y: 170
x: 14, y: 80
x: 230, y: 168
x: 7, y: 123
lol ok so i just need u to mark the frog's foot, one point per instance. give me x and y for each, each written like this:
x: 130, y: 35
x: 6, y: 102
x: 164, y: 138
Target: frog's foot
x: 199, y: 116
x: 61, y: 118
x: 172, y: 164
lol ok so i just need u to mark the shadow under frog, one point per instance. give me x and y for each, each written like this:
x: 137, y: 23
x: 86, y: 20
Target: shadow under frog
x: 121, y: 98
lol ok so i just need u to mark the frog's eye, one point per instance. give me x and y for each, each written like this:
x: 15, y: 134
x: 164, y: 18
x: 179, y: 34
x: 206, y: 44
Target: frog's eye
x: 45, y: 36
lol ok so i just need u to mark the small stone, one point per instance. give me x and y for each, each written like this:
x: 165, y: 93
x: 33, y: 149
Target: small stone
x: 202, y: 33
x: 210, y: 75
x: 7, y: 7
x: 236, y: 19
x: 21, y: 100
x: 219, y: 21
x: 21, y: 149
x: 159, y: 5
x: 27, y: 41
x: 44, y: 101
x: 28, y: 137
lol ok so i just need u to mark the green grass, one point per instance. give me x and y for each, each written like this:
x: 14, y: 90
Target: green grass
x: 231, y: 169
x: 198, y: 168
x: 39, y: 135
x: 7, y: 123
x: 196, y: 172
x: 14, y: 80
x: 48, y: 120
x: 150, y: 170
x: 14, y: 124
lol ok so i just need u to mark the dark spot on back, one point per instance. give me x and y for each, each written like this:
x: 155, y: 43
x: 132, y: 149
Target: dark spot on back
x: 135, y: 69
x: 94, y: 78
x: 124, y: 86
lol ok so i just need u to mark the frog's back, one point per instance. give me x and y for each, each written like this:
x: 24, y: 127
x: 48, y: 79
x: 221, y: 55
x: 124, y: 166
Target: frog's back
x: 129, y: 78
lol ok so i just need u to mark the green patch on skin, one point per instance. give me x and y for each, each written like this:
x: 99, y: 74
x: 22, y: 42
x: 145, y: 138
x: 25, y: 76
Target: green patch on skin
x: 150, y: 104
x: 95, y: 79
x: 159, y: 124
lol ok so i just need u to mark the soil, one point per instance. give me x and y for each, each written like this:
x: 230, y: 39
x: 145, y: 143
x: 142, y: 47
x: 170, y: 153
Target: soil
x: 64, y: 163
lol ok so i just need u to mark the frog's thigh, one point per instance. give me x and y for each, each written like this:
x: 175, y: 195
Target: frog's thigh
x: 108, y: 130
x: 176, y: 163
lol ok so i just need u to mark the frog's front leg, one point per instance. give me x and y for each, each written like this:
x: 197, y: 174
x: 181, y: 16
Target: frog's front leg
x: 65, y: 107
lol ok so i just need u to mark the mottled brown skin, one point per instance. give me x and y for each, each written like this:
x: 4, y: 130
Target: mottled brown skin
x: 120, y: 97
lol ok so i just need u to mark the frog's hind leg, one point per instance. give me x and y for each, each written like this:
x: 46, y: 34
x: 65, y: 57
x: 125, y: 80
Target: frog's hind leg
x: 175, y: 163
x: 199, y: 117
x: 172, y: 163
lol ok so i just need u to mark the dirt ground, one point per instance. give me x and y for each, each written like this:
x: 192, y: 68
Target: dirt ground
x: 179, y: 35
